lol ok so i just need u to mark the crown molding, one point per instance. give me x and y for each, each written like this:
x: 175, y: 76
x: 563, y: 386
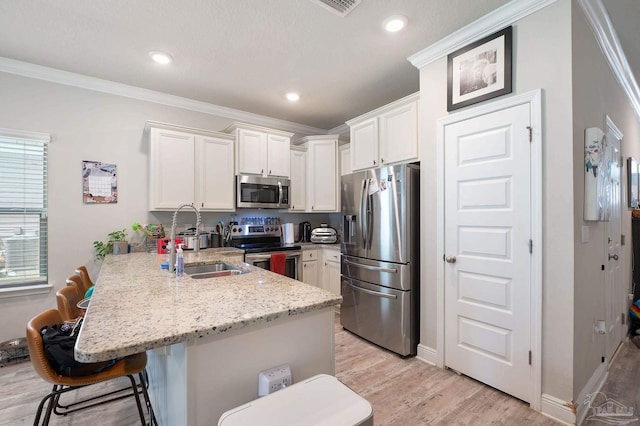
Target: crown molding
x: 607, y: 39
x: 486, y: 25
x: 67, y: 78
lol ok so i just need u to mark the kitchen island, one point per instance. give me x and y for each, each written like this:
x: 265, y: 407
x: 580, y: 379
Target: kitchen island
x: 206, y: 339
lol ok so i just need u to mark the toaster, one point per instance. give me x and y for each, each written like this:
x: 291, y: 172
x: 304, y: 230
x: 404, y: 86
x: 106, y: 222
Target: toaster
x: 324, y: 235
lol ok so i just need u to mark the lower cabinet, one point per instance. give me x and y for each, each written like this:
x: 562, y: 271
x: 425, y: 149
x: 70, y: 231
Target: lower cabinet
x: 331, y: 269
x: 310, y: 267
x: 321, y: 267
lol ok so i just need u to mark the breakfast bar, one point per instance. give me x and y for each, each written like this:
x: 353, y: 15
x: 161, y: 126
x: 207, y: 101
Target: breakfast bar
x: 206, y: 339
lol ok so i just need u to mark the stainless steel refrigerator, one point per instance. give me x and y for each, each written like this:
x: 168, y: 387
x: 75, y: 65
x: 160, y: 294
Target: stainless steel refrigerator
x: 380, y: 262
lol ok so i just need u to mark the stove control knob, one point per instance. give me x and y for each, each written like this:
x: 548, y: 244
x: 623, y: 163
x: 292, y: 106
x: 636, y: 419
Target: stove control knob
x: 235, y: 230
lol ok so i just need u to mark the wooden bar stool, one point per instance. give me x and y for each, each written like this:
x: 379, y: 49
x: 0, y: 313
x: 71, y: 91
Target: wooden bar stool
x: 125, y: 367
x: 78, y: 281
x: 67, y: 299
x: 84, y: 274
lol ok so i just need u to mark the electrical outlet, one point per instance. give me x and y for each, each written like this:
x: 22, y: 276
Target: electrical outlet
x: 274, y: 379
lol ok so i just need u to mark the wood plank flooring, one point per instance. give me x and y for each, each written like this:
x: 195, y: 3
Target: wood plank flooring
x: 401, y: 391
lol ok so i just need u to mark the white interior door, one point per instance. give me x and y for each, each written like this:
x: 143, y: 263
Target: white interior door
x: 487, y: 234
x: 614, y: 283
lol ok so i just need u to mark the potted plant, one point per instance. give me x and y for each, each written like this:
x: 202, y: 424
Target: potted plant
x: 117, y: 243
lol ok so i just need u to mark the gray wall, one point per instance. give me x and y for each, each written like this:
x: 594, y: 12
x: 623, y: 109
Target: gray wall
x: 596, y: 93
x: 87, y: 125
x: 541, y: 59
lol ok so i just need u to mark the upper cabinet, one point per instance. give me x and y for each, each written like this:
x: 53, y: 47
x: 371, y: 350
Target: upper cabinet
x: 323, y: 176
x: 261, y: 151
x: 345, y: 159
x: 191, y: 166
x: 386, y: 135
x: 298, y: 179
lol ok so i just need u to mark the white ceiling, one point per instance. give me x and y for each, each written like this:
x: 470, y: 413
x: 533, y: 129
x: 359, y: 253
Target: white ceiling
x: 246, y: 54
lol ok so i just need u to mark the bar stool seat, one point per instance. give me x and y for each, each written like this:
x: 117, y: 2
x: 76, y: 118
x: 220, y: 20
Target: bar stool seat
x: 125, y: 367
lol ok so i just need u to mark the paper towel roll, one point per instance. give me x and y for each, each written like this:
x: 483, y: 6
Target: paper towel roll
x: 287, y: 233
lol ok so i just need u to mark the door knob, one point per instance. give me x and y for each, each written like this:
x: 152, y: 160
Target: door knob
x: 613, y: 256
x: 450, y: 259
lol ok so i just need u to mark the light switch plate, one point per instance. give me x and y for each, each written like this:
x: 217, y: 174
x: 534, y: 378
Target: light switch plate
x: 585, y: 234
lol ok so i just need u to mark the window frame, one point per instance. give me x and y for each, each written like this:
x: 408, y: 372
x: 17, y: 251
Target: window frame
x: 31, y: 286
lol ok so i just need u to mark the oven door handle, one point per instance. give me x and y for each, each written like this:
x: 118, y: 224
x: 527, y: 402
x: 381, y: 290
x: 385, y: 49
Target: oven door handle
x: 255, y: 256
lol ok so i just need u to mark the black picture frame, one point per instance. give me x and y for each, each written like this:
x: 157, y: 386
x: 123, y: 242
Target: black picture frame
x: 479, y: 71
x: 633, y: 183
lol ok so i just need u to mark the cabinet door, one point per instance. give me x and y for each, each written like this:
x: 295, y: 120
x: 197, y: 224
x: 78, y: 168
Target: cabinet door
x: 332, y: 270
x: 364, y: 145
x: 298, y: 180
x: 215, y: 175
x: 171, y: 169
x: 310, y: 272
x: 278, y: 158
x: 252, y: 152
x: 399, y: 134
x: 345, y: 160
x: 323, y: 176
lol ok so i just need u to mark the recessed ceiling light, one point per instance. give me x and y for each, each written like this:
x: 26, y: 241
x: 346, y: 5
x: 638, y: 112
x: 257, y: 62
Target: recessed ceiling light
x: 293, y: 97
x: 161, y: 57
x: 394, y: 23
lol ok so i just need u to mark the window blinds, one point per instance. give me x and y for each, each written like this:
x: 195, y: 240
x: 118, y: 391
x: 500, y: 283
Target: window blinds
x: 23, y: 208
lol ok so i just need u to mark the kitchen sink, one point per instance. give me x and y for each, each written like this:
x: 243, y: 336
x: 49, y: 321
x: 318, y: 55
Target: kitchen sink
x: 215, y: 274
x: 212, y: 270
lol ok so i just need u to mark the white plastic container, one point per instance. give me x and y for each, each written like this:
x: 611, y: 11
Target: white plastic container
x: 319, y: 400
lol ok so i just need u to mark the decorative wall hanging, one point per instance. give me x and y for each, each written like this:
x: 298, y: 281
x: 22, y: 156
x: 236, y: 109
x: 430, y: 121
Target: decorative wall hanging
x: 633, y: 182
x: 597, y: 177
x: 479, y: 71
x: 99, y: 182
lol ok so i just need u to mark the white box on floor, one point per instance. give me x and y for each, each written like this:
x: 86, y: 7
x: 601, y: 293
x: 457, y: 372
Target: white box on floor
x: 319, y: 400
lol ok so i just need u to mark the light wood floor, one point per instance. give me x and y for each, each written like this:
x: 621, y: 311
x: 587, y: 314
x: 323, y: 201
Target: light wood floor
x: 402, y: 392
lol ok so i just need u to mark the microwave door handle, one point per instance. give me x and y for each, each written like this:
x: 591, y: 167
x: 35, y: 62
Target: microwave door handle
x: 280, y: 193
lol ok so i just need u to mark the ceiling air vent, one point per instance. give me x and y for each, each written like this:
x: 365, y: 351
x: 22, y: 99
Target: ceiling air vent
x: 339, y: 7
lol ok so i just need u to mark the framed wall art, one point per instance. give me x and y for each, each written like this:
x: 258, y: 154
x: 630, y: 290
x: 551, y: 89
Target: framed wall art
x: 99, y: 183
x: 479, y: 71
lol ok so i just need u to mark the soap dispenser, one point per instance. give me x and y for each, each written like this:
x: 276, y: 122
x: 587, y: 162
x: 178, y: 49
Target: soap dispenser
x: 179, y: 261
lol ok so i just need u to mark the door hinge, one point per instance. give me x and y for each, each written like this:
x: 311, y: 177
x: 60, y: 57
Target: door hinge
x: 530, y: 246
x: 530, y: 357
x: 622, y: 318
x: 530, y: 129
x: 622, y: 239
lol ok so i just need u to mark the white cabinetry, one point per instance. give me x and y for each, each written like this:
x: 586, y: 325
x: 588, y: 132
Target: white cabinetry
x: 345, y: 160
x: 190, y: 166
x: 386, y: 135
x: 261, y: 151
x: 298, y: 179
x: 331, y: 269
x: 323, y: 179
x: 310, y: 266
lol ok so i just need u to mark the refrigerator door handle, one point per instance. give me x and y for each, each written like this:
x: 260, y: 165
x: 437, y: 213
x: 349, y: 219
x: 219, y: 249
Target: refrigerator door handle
x: 371, y: 268
x: 374, y: 293
x: 363, y: 213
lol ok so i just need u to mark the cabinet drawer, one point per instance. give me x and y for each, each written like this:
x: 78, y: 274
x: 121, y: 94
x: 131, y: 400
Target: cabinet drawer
x: 331, y: 255
x: 309, y: 255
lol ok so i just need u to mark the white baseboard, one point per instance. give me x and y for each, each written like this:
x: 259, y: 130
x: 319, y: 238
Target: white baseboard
x: 427, y: 354
x: 593, y: 385
x: 558, y: 409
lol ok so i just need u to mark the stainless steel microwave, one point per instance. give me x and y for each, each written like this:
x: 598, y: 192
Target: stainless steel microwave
x: 262, y: 193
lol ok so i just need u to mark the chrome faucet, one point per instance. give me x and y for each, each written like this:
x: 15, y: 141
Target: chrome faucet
x: 172, y: 243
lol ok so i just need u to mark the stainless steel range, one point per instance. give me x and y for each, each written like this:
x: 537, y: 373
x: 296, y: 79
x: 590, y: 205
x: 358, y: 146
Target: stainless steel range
x: 259, y: 242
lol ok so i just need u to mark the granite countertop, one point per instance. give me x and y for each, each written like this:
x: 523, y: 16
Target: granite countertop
x: 311, y: 246
x: 136, y: 306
